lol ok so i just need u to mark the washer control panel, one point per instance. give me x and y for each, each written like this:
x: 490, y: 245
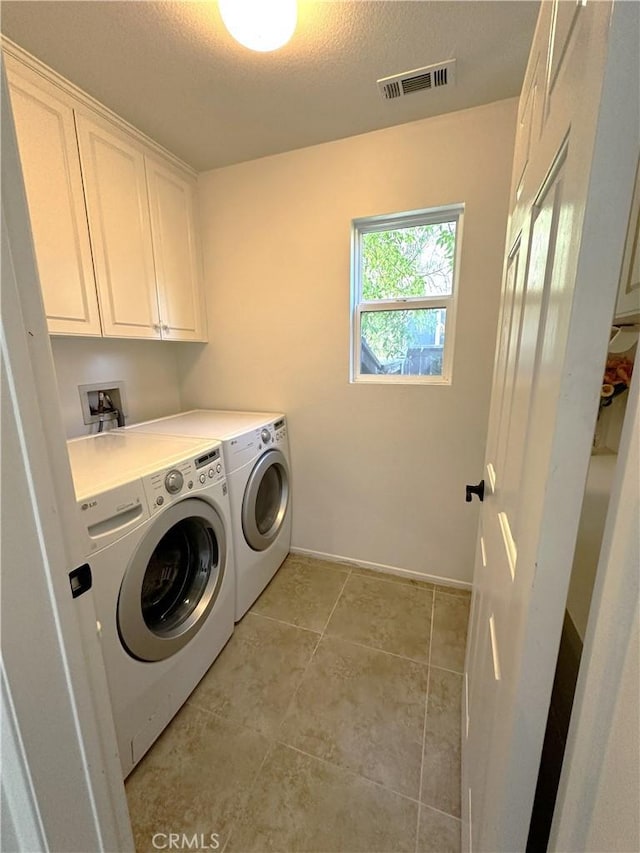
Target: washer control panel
x: 186, y: 477
x: 108, y: 516
x: 174, y: 481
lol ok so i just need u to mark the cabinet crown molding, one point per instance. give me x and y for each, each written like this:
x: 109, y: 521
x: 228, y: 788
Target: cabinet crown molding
x: 32, y: 62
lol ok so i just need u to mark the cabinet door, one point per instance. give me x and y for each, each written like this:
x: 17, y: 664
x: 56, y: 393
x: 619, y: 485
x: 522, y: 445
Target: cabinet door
x: 53, y: 183
x: 172, y: 203
x: 116, y: 194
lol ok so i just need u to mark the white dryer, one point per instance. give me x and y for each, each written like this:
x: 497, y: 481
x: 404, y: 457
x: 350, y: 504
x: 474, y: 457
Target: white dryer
x: 157, y: 514
x: 256, y: 454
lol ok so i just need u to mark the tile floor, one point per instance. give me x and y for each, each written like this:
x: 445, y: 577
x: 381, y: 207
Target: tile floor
x: 330, y: 722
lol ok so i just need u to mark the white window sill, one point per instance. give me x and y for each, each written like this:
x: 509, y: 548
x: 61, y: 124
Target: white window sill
x: 378, y: 379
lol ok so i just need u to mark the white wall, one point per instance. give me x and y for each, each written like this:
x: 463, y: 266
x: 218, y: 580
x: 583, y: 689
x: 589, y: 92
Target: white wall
x: 379, y: 472
x: 148, y: 368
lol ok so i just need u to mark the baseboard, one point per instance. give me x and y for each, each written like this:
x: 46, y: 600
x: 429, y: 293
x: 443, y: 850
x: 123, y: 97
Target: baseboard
x: 383, y: 569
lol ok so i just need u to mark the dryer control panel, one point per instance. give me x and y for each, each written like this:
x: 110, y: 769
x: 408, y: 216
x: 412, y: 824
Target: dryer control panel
x: 280, y: 431
x: 271, y: 434
x: 191, y: 475
x: 245, y: 448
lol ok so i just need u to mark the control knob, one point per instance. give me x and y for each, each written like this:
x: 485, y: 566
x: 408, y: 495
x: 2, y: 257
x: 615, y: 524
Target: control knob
x: 173, y: 482
x: 265, y: 435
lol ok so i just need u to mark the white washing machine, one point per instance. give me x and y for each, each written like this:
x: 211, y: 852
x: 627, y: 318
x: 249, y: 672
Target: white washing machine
x: 256, y: 454
x: 157, y: 512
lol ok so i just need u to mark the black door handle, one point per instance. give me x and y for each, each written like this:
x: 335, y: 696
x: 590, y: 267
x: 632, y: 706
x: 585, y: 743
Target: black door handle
x: 475, y: 490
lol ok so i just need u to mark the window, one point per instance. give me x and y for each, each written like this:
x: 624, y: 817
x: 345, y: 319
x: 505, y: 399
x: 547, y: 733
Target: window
x: 404, y: 286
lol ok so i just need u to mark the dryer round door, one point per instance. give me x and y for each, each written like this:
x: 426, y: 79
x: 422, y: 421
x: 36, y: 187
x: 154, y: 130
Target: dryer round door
x: 173, y: 580
x: 266, y: 498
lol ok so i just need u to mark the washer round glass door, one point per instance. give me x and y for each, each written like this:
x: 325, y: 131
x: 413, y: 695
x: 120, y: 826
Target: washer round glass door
x: 266, y: 498
x: 172, y: 581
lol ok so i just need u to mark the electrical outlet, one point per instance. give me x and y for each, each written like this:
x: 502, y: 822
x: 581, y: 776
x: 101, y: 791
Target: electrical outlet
x: 113, y: 398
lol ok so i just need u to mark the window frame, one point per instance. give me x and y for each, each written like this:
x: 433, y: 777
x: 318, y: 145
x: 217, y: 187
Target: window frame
x: 392, y: 222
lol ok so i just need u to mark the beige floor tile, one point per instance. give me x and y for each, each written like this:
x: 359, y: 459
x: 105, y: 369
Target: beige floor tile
x: 387, y: 576
x: 301, y: 804
x: 357, y: 708
x: 195, y: 779
x: 441, y: 764
x: 256, y: 675
x: 438, y: 832
x: 303, y: 592
x: 361, y: 709
x: 449, y: 637
x: 393, y: 617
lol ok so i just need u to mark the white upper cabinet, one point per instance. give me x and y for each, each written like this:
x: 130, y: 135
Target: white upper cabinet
x: 114, y: 217
x: 120, y: 228
x: 53, y: 183
x: 176, y: 251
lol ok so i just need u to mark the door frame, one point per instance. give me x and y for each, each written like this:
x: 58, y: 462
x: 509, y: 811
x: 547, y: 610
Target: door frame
x: 607, y: 678
x: 61, y: 783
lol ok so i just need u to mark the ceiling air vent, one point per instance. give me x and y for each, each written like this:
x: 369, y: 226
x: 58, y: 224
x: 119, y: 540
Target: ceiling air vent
x: 431, y: 77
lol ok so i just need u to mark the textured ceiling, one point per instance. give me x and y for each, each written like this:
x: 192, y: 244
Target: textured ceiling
x: 171, y: 69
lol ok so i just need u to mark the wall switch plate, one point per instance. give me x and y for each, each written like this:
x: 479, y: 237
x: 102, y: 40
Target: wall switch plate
x: 89, y: 397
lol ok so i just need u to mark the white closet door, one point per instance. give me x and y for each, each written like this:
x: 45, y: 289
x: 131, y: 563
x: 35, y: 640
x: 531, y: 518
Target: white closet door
x: 51, y: 169
x: 172, y: 202
x: 575, y: 156
x: 116, y: 193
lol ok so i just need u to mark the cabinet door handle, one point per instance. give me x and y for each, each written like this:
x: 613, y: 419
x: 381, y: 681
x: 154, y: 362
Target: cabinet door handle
x: 165, y: 329
x: 156, y: 327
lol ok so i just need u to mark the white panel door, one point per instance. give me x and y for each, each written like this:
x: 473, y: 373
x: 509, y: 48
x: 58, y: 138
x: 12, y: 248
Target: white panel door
x: 172, y: 203
x: 53, y: 183
x: 117, y: 206
x: 575, y: 155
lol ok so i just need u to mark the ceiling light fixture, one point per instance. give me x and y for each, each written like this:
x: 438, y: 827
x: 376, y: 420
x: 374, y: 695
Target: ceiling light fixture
x: 261, y: 25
